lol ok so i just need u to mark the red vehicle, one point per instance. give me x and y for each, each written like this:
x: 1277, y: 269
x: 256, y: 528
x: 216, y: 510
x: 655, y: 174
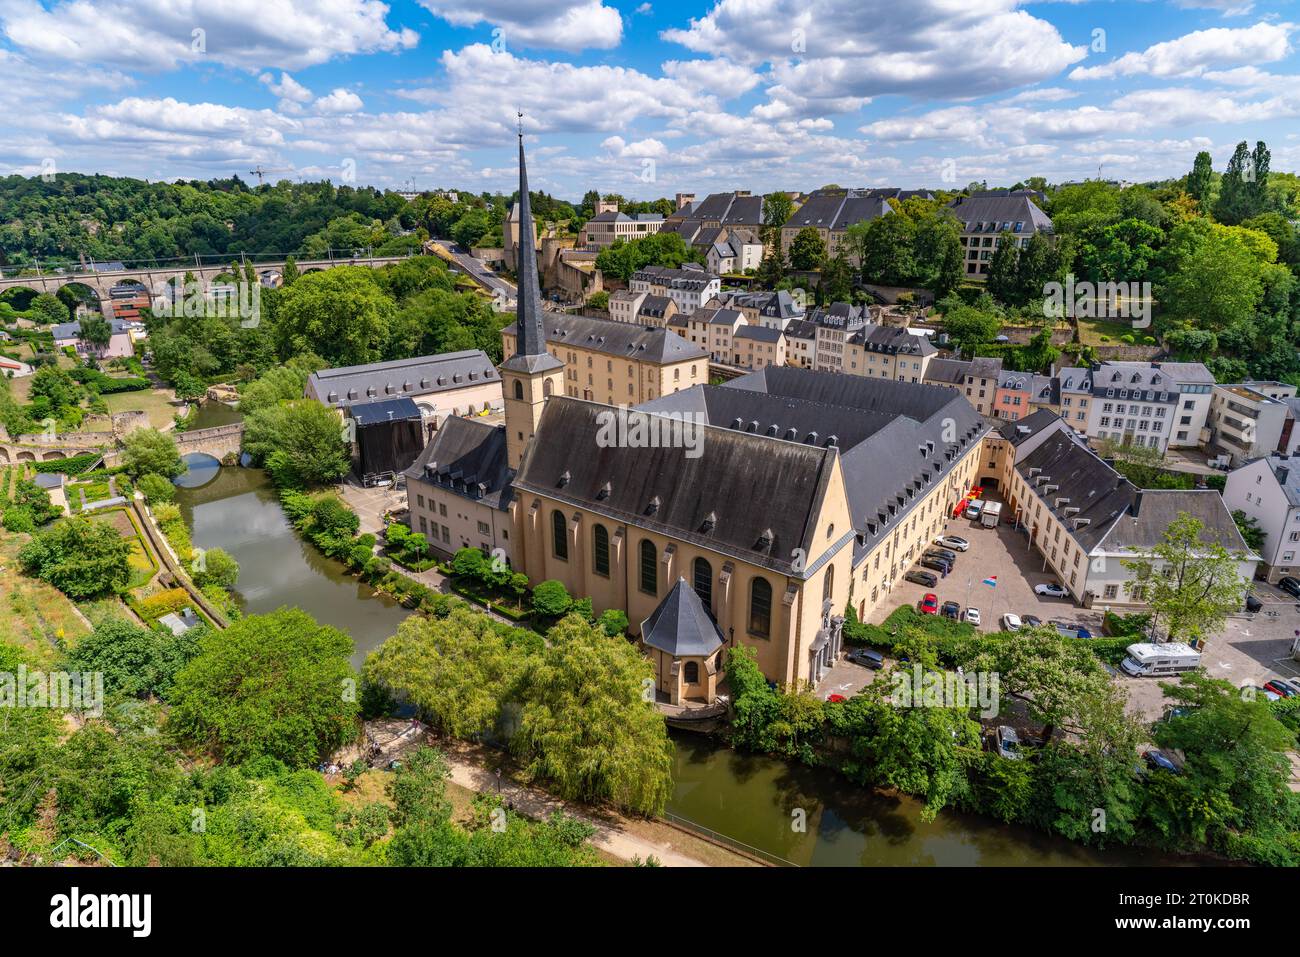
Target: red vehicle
x: 930, y: 604
x: 836, y: 697
x: 1280, y: 688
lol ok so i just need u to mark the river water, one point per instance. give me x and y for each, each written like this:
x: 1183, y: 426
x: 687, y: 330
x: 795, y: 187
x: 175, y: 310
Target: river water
x: 751, y: 799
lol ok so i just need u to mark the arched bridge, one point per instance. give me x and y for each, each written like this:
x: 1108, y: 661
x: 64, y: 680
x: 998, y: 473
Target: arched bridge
x: 103, y: 282
x: 218, y: 441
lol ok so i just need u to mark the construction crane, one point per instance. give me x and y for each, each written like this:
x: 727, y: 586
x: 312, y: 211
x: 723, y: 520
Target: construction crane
x: 261, y: 172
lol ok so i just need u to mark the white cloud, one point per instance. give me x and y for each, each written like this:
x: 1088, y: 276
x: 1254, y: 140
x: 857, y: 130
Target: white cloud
x: 1192, y: 54
x: 287, y: 89
x: 553, y: 24
x: 339, y: 101
x: 162, y: 34
x: 720, y: 77
x: 831, y: 55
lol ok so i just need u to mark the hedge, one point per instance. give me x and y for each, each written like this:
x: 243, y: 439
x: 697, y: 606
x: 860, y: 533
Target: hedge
x: 72, y: 465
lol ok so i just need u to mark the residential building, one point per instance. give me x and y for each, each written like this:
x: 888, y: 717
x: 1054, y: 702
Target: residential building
x: 655, y: 311
x: 754, y: 347
x: 976, y: 379
x: 831, y: 214
x: 624, y: 304
x: 615, y: 362
x: 1250, y: 419
x: 712, y: 328
x: 121, y: 342
x: 1086, y: 519
x: 1267, y: 489
x: 835, y: 324
x: 689, y: 287
x: 987, y: 215
x: 1152, y: 404
x: 801, y: 343
x: 888, y: 352
x: 774, y: 309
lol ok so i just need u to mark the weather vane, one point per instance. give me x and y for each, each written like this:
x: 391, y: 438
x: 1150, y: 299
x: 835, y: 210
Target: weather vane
x: 520, y: 122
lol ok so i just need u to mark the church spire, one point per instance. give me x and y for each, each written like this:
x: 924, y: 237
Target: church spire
x: 530, y: 341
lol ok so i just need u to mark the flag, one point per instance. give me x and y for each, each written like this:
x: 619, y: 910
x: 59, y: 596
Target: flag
x: 991, y: 581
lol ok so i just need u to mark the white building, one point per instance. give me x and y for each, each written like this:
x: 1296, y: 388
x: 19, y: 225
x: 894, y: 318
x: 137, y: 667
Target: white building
x: 689, y: 287
x: 1250, y: 419
x: 1268, y: 490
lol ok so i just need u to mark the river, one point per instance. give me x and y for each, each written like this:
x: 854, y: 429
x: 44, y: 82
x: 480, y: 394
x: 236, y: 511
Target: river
x: 750, y: 799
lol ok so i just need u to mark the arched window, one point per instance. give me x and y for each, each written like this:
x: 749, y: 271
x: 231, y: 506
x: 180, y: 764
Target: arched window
x: 519, y: 389
x: 546, y: 387
x: 760, y: 608
x: 600, y: 549
x: 828, y: 584
x: 559, y: 536
x: 692, y: 672
x: 702, y: 579
x: 649, y: 570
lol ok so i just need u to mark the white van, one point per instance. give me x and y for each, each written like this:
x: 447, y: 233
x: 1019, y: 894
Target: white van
x: 1149, y: 660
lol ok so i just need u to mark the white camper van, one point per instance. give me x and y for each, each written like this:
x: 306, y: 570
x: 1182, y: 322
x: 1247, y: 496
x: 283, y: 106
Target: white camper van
x: 1150, y: 660
x: 992, y: 513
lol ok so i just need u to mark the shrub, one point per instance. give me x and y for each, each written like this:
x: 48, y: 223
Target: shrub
x: 613, y: 622
x: 551, y: 599
x: 156, y: 489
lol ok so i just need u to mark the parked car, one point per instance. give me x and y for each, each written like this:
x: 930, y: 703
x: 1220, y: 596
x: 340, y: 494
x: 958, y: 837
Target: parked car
x: 1008, y: 743
x: 951, y: 610
x: 1289, y: 585
x: 1158, y: 760
x: 1280, y: 687
x: 1292, y: 683
x: 955, y: 542
x: 949, y: 557
x: 938, y: 564
x: 1070, y: 629
x: 1253, y: 604
x: 1051, y: 590
x: 867, y: 658
x: 921, y: 578
x: 1031, y: 621
x: 930, y: 604
x: 1269, y: 695
x: 972, y: 616
x: 1010, y: 622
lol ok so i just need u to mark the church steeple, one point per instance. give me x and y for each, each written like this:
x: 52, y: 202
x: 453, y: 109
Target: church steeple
x: 532, y: 373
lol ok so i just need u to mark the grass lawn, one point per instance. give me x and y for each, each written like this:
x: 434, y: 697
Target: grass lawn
x: 33, y: 615
x: 1091, y: 332
x: 152, y: 401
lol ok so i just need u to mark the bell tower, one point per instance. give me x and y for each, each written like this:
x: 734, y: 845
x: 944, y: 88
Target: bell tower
x: 532, y: 374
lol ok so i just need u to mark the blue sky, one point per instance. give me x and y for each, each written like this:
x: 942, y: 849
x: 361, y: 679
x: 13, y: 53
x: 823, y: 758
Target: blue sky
x: 645, y: 98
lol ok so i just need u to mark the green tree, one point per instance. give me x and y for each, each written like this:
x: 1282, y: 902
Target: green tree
x: 586, y: 725
x: 1190, y: 580
x: 613, y: 621
x: 340, y: 314
x: 156, y: 488
x: 96, y: 331
x: 1201, y: 178
x: 217, y: 568
x: 551, y: 599
x: 300, y: 443
x: 47, y: 309
x: 276, y: 685
x: 147, y: 450
x: 807, y: 250
x: 1003, y: 281
x: 135, y: 661
x: 80, y: 557
x: 1251, y: 533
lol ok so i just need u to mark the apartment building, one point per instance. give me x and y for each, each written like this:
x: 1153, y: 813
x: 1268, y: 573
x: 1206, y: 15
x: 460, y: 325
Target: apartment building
x: 689, y: 287
x: 1267, y: 489
x: 831, y: 214
x: 1251, y: 419
x: 614, y: 362
x: 1087, y: 520
x: 835, y: 324
x: 888, y: 352
x: 801, y: 343
x: 754, y: 347
x: 624, y: 304
x: 713, y: 329
x: 976, y: 379
x: 656, y: 311
x: 986, y: 216
x: 773, y: 309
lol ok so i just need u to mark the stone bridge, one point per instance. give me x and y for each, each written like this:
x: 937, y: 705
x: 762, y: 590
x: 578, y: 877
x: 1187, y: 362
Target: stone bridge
x: 103, y: 282
x: 218, y: 441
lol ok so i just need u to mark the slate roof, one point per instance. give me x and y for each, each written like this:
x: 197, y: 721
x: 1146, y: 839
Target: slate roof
x: 1023, y: 428
x: 1189, y: 372
x: 729, y: 209
x: 801, y: 329
x: 891, y: 435
x: 986, y: 212
x: 759, y: 333
x: 655, y: 306
x: 1045, y: 389
x: 617, y: 338
x: 1285, y: 471
x: 416, y: 377
x: 1130, y: 375
x: 708, y: 500
x: 467, y: 457
x: 684, y: 278
x: 893, y: 340
x: 821, y: 210
x: 1100, y: 493
x: 681, y: 626
x: 1154, y: 510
